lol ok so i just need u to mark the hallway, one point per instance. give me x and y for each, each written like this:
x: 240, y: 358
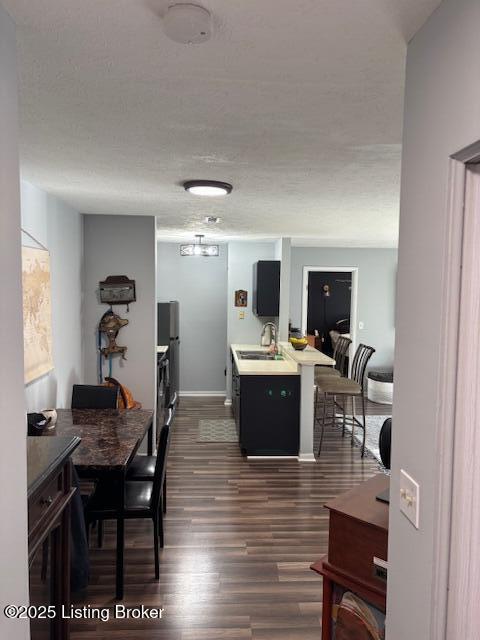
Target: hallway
x: 240, y: 537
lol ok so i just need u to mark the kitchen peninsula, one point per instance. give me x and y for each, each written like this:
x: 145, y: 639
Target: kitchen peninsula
x: 272, y: 399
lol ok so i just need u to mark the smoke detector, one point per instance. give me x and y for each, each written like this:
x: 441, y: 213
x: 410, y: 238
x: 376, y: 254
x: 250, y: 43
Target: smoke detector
x: 187, y: 23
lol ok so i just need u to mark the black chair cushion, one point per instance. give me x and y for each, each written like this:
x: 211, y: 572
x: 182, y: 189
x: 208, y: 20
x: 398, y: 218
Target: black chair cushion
x: 102, y: 501
x: 102, y: 504
x: 381, y: 375
x: 137, y: 496
x: 142, y: 468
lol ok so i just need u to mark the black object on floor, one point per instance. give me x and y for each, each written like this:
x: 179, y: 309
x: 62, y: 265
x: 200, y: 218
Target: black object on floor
x: 385, y: 445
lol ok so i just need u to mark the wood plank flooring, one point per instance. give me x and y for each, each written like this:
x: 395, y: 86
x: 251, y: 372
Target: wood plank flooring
x: 240, y: 537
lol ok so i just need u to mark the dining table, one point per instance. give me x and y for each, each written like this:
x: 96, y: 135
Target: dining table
x: 110, y: 439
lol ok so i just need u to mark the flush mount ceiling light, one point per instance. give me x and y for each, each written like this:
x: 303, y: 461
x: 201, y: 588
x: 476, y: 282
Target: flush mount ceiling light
x: 199, y: 249
x: 187, y: 23
x: 209, y: 188
x: 212, y: 220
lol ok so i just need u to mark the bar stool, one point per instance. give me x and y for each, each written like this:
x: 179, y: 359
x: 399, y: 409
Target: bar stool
x: 333, y: 386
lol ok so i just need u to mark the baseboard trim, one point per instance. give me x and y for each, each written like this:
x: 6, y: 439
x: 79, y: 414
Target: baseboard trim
x: 272, y: 458
x: 201, y: 394
x: 306, y: 457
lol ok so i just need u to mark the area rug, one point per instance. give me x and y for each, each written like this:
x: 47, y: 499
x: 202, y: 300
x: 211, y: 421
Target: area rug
x: 217, y: 431
x: 374, y: 425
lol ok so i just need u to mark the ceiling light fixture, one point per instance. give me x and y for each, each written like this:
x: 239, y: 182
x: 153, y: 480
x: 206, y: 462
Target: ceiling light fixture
x: 187, y: 23
x: 209, y: 188
x: 212, y: 220
x: 199, y: 249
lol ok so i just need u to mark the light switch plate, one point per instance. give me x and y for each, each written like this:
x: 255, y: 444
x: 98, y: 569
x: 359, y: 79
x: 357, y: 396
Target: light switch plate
x: 361, y: 326
x: 241, y: 315
x: 409, y: 498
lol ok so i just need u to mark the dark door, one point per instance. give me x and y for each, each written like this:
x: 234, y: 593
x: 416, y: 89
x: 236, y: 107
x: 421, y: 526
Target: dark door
x: 329, y: 302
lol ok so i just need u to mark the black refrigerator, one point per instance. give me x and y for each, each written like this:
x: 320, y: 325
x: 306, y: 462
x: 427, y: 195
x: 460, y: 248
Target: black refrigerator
x: 168, y: 334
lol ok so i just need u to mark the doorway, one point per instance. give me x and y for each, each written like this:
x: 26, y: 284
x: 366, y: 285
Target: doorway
x: 329, y: 305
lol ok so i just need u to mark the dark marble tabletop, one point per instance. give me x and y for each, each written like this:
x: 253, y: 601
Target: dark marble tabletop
x: 44, y: 455
x: 110, y: 437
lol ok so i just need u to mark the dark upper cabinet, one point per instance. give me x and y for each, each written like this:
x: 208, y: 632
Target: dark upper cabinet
x: 266, y: 288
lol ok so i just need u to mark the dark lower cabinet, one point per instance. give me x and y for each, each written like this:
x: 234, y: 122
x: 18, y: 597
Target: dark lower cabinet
x: 236, y: 396
x: 267, y: 413
x: 49, y: 495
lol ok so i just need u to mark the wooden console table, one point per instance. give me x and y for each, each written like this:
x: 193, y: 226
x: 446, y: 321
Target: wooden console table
x: 358, y: 532
x: 49, y: 494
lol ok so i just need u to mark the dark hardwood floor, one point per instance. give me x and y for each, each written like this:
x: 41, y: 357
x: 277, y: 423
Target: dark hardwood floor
x: 240, y: 537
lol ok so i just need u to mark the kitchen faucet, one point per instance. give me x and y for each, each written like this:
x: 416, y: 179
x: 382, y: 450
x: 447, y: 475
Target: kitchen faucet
x: 274, y: 331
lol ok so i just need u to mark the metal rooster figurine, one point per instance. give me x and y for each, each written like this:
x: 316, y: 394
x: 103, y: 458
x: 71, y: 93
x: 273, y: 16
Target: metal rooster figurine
x: 110, y: 325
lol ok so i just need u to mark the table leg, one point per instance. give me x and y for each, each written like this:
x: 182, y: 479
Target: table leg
x: 120, y: 538
x: 327, y: 609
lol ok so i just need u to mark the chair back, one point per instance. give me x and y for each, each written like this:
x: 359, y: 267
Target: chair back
x: 91, y: 396
x: 161, y: 462
x: 340, y: 353
x: 360, y: 361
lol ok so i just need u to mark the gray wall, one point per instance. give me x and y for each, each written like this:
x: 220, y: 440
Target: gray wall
x: 283, y: 251
x: 122, y: 245
x: 241, y: 258
x: 60, y: 229
x: 442, y: 116
x: 376, y: 291
x: 200, y: 286
x: 13, y: 481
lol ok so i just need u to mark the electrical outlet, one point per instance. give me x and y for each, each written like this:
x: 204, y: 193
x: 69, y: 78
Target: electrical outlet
x: 409, y: 498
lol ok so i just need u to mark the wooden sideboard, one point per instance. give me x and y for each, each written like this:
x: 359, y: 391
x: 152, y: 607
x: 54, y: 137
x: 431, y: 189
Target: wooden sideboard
x: 358, y: 532
x: 49, y: 494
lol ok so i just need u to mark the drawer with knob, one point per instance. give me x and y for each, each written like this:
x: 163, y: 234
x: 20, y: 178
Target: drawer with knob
x: 46, y: 500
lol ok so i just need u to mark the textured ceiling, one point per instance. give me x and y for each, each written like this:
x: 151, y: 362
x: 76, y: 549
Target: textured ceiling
x: 298, y: 104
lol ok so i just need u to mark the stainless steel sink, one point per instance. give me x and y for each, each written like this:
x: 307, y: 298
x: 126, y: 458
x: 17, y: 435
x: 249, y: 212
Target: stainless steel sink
x: 257, y: 355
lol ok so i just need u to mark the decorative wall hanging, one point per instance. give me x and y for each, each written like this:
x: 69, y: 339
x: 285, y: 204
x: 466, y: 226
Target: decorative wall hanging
x: 241, y: 298
x: 37, y: 312
x: 117, y: 290
x: 110, y: 325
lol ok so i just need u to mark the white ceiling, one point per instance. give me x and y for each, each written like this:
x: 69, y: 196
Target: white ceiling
x: 298, y: 104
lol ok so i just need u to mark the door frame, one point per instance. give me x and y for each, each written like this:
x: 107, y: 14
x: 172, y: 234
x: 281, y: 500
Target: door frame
x: 455, y: 577
x: 353, y: 301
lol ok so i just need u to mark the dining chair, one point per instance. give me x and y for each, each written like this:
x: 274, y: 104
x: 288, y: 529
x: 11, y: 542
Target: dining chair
x: 142, y: 468
x: 94, y: 396
x: 332, y: 387
x: 142, y: 500
x: 340, y: 355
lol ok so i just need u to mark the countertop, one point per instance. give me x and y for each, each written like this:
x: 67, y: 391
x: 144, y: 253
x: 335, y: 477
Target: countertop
x: 308, y: 356
x: 289, y: 366
x: 286, y: 367
x: 44, y: 455
x: 110, y: 437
